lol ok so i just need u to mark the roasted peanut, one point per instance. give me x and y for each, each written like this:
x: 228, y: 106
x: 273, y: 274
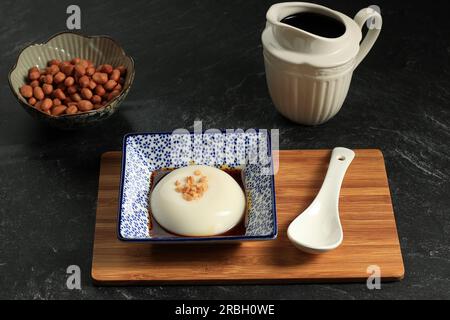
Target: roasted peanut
x: 34, y: 83
x: 38, y: 93
x: 100, y: 91
x: 54, y: 62
x: 67, y: 69
x: 62, y: 64
x: 75, y: 60
x: 92, y: 85
x: 100, y: 78
x: 71, y: 109
x: 96, y: 100
x: 26, y: 91
x: 86, y: 93
x: 72, y: 90
x: 32, y: 101
x: 59, y: 77
x: 69, y: 81
x: 113, y: 95
x: 58, y: 110
x: 84, y: 81
x: 80, y: 70
x: 85, y: 105
x: 115, y: 75
x: 59, y: 94
x: 47, y: 88
x: 57, y: 102
x: 107, y: 68
x: 34, y: 74
x: 53, y: 70
x: 90, y: 71
x: 47, y: 104
x: 110, y: 85
x: 76, y: 97
x: 84, y: 63
x: 48, y: 79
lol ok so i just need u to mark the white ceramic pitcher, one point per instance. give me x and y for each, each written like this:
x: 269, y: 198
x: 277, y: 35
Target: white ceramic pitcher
x: 309, y: 75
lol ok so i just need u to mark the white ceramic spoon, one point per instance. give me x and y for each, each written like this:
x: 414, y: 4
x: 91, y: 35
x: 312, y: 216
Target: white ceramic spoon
x: 318, y: 229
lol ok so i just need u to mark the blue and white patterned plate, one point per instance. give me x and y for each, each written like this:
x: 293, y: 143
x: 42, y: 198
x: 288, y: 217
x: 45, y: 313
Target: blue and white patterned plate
x: 144, y: 153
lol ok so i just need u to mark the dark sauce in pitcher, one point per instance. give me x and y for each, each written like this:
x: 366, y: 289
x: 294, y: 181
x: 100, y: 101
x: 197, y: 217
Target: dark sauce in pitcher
x: 316, y: 23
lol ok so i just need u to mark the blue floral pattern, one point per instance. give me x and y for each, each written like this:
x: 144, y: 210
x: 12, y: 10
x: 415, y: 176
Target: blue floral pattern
x: 249, y: 150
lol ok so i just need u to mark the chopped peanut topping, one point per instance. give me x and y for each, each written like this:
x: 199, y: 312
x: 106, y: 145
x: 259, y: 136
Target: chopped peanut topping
x: 192, y: 189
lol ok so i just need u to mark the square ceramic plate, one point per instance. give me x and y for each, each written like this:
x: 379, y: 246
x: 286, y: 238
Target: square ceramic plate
x: 147, y: 152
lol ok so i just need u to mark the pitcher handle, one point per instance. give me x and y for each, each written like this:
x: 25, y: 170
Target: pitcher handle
x: 372, y: 34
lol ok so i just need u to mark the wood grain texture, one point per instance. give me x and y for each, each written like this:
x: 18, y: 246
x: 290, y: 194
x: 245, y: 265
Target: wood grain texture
x: 370, y: 234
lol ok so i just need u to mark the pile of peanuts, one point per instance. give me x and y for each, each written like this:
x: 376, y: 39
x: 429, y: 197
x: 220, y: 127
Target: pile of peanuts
x: 70, y: 87
x: 192, y: 189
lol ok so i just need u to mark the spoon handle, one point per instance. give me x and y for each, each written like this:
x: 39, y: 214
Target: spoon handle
x: 341, y: 158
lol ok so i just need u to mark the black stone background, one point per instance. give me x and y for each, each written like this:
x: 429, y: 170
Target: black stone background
x: 202, y: 60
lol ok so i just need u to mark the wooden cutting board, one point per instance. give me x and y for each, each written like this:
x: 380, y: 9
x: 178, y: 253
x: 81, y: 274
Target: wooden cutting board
x: 370, y: 234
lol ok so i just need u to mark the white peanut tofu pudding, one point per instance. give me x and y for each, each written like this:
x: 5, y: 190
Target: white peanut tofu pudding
x: 198, y: 201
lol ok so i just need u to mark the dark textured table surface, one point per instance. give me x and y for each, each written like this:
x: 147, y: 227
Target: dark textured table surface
x: 202, y: 60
